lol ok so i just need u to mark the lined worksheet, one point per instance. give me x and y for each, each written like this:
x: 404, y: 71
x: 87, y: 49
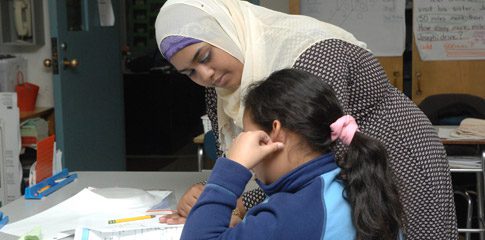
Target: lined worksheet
x: 167, y: 232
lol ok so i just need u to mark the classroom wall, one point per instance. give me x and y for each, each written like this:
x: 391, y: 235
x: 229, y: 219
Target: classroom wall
x: 36, y: 72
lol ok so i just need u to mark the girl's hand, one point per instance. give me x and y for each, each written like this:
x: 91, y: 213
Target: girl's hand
x: 250, y: 148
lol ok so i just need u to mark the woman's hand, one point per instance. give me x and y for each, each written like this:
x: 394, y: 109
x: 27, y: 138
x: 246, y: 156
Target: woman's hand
x: 234, y: 221
x: 250, y: 148
x: 241, y: 211
x: 189, y: 199
x: 173, y: 218
x: 186, y: 203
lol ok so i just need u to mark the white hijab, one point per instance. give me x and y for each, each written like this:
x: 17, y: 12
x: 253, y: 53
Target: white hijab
x: 262, y: 39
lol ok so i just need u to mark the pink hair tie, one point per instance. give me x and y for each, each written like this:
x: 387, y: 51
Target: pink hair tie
x: 344, y: 129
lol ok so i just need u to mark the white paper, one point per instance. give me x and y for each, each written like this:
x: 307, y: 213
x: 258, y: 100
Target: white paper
x: 379, y: 23
x: 9, y: 68
x: 10, y: 167
x: 167, y: 232
x: 464, y: 162
x: 450, y: 133
x: 90, y: 207
x: 445, y: 132
x: 450, y: 29
x: 106, y: 14
x: 57, y: 165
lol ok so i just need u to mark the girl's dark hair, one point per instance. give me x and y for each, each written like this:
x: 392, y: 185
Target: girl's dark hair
x: 307, y: 106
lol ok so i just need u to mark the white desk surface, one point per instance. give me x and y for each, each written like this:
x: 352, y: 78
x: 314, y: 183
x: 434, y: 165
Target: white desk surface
x: 175, y: 181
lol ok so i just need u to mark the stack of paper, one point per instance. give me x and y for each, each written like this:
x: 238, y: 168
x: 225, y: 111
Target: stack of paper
x: 147, y: 229
x: 471, y: 128
x: 32, y: 131
x: 91, y: 209
x: 464, y: 162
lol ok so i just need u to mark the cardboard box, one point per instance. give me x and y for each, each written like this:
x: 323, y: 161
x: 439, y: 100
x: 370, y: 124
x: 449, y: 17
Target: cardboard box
x: 10, y: 167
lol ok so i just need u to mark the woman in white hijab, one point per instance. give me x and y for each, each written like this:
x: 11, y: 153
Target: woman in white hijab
x: 225, y: 45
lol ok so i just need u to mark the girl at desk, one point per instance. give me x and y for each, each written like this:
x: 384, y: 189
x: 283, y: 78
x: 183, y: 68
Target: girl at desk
x: 291, y: 123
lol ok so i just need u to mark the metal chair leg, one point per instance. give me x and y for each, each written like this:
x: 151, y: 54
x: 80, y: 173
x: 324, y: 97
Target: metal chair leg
x: 481, y: 197
x: 200, y: 158
x: 469, y: 213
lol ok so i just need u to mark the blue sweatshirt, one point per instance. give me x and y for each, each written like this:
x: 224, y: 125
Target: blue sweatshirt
x: 306, y: 203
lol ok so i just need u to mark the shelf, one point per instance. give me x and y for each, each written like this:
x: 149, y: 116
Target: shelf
x: 43, y: 112
x: 38, y: 112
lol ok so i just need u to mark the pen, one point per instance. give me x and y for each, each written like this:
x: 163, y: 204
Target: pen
x: 130, y: 219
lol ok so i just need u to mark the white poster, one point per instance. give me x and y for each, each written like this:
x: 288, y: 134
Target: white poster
x: 450, y: 29
x: 379, y: 23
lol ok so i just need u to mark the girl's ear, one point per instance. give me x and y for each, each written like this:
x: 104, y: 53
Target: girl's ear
x: 278, y: 134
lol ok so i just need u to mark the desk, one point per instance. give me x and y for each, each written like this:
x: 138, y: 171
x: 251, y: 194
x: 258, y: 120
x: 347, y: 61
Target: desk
x: 480, y: 171
x: 175, y: 181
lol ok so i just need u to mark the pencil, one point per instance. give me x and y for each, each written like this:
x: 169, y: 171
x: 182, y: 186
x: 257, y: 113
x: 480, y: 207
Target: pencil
x: 130, y: 219
x: 42, y: 190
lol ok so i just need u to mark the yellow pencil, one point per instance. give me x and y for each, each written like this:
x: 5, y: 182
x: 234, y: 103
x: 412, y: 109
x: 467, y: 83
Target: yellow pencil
x: 42, y: 190
x: 130, y: 219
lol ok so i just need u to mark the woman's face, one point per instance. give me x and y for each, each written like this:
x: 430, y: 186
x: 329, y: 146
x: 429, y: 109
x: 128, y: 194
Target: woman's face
x: 209, y: 66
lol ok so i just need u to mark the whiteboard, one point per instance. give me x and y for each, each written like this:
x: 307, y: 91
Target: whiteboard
x: 450, y: 29
x: 379, y: 23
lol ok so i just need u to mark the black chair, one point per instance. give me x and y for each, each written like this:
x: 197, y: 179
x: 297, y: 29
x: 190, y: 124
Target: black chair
x: 210, y: 147
x: 451, y: 109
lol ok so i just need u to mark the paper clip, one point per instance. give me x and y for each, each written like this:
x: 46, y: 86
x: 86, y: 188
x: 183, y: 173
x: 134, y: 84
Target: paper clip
x: 49, y: 185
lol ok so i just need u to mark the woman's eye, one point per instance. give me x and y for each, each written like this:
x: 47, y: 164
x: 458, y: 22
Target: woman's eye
x: 205, y: 58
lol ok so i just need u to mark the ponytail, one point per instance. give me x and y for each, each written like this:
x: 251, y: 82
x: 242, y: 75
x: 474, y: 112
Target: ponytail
x: 376, y: 210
